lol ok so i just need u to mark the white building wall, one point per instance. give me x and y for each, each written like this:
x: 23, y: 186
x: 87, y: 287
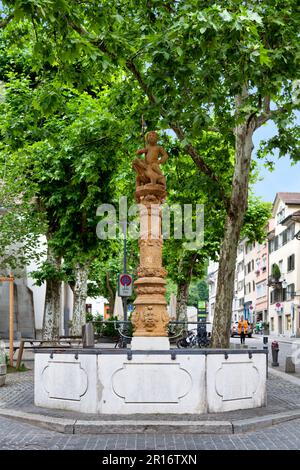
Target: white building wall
x: 285, y: 315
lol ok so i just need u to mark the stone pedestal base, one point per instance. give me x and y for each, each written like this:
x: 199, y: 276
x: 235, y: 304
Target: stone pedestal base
x: 124, y: 383
x: 151, y: 343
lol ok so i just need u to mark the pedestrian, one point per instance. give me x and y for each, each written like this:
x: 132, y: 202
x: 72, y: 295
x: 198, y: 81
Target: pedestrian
x: 242, y: 329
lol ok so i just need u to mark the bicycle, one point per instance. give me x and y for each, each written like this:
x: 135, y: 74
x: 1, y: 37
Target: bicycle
x: 193, y: 340
x: 123, y: 340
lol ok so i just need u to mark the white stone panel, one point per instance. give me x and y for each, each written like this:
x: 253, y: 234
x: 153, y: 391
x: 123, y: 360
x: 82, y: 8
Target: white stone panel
x: 238, y: 382
x: 152, y: 384
x: 66, y: 383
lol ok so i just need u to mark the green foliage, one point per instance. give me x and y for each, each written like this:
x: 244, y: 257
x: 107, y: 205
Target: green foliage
x: 89, y: 317
x: 276, y: 273
x: 109, y: 328
x: 198, y: 291
x: 256, y: 219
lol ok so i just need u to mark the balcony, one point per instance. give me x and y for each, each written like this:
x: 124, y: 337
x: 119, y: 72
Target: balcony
x: 274, y: 282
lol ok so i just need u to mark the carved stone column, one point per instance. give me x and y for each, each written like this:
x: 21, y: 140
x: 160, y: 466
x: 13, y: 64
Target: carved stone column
x: 150, y: 318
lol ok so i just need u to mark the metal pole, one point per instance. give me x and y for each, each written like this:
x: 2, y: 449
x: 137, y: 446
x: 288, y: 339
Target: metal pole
x: 11, y: 321
x: 125, y: 270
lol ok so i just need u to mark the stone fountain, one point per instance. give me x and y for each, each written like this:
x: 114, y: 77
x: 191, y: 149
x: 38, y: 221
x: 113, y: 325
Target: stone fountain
x: 150, y: 377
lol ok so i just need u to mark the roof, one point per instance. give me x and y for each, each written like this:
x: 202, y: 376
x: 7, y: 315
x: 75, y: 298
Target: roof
x: 295, y: 216
x: 289, y: 198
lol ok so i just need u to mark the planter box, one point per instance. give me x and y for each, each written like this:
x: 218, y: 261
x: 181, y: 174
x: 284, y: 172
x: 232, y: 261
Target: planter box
x: 3, y: 372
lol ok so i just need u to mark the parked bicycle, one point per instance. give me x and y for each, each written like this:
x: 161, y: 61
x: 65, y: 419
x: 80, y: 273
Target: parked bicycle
x: 194, y: 339
x: 123, y: 339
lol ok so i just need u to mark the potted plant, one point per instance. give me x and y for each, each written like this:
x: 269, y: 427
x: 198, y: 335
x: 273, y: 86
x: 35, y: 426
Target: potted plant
x: 274, y: 279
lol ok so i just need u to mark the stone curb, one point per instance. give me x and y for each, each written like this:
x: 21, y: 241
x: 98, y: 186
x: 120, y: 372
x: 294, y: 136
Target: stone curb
x: 65, y: 426
x: 284, y: 376
x: 73, y: 426
x: 253, y: 424
x: 147, y: 426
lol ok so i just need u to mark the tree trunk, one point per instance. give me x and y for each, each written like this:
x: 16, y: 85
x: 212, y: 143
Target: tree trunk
x: 186, y: 266
x: 52, y: 308
x: 233, y: 226
x: 112, y: 295
x: 79, y: 299
x: 181, y: 301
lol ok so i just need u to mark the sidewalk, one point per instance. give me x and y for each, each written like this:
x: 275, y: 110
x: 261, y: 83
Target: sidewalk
x: 283, y: 339
x: 283, y: 404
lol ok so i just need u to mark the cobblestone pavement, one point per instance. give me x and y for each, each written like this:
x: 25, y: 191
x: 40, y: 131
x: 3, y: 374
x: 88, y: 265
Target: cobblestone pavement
x: 18, y: 394
x: 20, y: 436
x: 285, y: 349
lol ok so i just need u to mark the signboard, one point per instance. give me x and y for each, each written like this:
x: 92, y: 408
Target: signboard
x: 201, y: 305
x: 202, y: 313
x: 125, y: 285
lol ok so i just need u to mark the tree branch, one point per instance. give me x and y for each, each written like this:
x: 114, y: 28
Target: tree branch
x: 268, y: 114
x: 130, y: 65
x: 5, y: 21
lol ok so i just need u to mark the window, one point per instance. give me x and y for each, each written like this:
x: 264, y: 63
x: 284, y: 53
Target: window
x: 264, y: 263
x: 290, y: 291
x: 248, y: 268
x: 248, y: 288
x: 240, y: 266
x: 280, y: 215
x: 272, y: 323
x: 253, y: 286
x: 257, y: 264
x: 290, y: 232
x: 252, y: 265
x: 291, y: 263
x: 241, y: 302
x: 240, y: 249
x: 271, y: 245
x: 261, y: 289
x: 280, y: 265
x: 240, y: 285
x: 284, y: 237
x: 249, y: 247
x: 278, y: 295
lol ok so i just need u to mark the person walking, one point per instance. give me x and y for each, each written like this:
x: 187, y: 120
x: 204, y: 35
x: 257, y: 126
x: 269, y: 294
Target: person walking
x: 242, y: 329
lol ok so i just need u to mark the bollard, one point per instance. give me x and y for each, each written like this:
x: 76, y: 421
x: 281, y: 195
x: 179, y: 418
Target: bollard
x: 88, y: 335
x: 275, y: 350
x: 289, y: 365
x: 265, y: 342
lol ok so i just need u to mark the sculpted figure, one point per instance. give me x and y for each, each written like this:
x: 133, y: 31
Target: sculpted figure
x: 148, y: 170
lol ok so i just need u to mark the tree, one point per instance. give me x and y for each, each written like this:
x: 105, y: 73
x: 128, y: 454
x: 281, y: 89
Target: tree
x: 225, y: 66
x: 198, y: 291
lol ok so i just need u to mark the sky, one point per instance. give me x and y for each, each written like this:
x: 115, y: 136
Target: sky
x: 284, y: 178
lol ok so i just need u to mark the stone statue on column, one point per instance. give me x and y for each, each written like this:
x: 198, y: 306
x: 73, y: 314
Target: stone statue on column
x: 150, y: 317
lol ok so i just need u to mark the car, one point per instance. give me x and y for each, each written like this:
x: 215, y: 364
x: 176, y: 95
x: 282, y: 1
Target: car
x: 234, y: 330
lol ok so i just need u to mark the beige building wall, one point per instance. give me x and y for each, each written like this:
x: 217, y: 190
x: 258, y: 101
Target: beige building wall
x: 284, y: 250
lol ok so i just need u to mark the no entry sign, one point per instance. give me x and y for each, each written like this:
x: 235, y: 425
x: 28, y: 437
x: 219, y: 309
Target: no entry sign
x: 125, y: 285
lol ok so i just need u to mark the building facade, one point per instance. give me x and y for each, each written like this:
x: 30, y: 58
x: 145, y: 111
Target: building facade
x: 284, y: 266
x: 258, y: 295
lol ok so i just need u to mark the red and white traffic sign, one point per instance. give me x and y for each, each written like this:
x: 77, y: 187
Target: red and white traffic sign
x: 125, y: 285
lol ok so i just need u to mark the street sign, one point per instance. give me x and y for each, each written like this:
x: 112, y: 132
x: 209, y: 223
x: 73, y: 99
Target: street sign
x: 201, y: 305
x: 125, y: 285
